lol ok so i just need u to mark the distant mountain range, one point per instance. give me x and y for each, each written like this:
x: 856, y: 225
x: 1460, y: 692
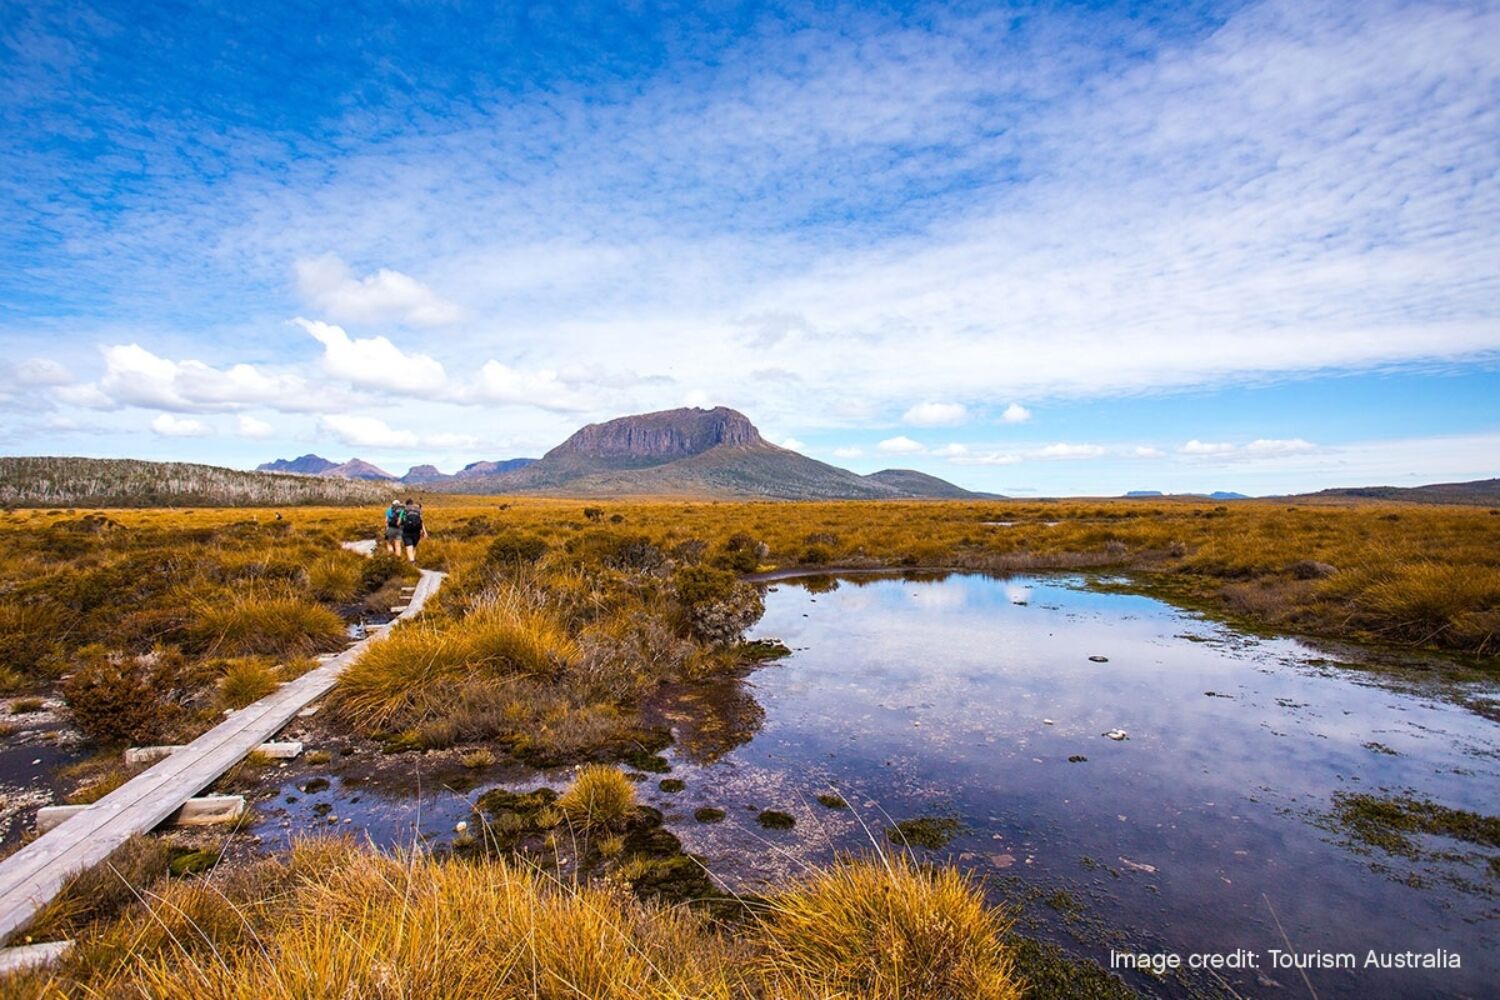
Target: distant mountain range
x: 684, y: 452
x: 1217, y: 495
x: 358, y: 468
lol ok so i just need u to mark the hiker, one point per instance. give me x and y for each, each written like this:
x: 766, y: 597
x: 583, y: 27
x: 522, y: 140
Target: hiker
x: 412, y: 528
x: 393, y: 527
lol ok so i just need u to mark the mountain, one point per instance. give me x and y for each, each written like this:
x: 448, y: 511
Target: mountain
x: 1136, y: 494
x: 307, y: 465
x: 356, y: 468
x: 920, y: 484
x: 1482, y: 492
x: 423, y: 474
x: 124, y: 482
x: 1224, y: 495
x: 690, y: 452
x: 474, y: 469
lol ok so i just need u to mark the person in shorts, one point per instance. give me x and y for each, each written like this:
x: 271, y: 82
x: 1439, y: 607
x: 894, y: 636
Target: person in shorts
x: 393, y: 515
x: 412, y: 528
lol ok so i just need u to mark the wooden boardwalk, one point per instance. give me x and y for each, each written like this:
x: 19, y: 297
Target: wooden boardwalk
x: 33, y: 875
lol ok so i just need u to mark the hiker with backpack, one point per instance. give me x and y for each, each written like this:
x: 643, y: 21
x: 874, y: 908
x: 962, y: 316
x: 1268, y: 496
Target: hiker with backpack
x: 412, y: 528
x: 393, y: 527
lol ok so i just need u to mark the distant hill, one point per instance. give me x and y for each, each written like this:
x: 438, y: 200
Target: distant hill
x: 123, y: 482
x: 920, y: 484
x: 307, y: 465
x: 1482, y: 492
x: 474, y: 469
x: 689, y: 452
x: 356, y: 468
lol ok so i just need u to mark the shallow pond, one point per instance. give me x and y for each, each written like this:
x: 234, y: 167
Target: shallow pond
x: 976, y: 699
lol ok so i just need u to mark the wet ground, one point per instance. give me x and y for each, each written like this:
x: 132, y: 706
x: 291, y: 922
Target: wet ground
x: 36, y: 744
x: 1204, y: 825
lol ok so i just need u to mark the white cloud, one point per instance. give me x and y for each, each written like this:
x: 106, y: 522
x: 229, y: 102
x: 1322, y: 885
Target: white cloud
x: 499, y: 383
x: 133, y: 376
x: 1272, y: 447
x: 988, y: 458
x: 41, y: 372
x: 792, y: 444
x: 954, y: 450
x: 1015, y: 413
x: 366, y: 432
x: 329, y: 285
x: 900, y: 445
x: 1147, y: 451
x: 936, y: 414
x: 697, y: 397
x: 167, y: 425
x: 1196, y: 447
x: 251, y: 427
x: 1064, y: 450
x: 375, y: 362
x: 848, y: 451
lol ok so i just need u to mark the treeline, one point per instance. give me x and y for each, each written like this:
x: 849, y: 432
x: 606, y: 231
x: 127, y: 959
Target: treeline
x: 124, y: 482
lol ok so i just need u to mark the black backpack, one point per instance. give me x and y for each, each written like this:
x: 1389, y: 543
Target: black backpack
x: 411, y: 521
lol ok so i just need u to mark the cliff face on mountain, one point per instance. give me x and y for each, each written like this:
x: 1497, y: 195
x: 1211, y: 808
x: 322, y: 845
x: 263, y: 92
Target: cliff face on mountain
x: 306, y: 465
x: 664, y: 436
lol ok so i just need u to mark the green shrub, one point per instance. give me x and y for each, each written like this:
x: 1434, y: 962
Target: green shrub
x: 513, y: 547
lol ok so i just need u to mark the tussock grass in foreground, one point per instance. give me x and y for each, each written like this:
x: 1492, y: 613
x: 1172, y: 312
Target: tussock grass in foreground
x: 335, y: 920
x: 884, y: 930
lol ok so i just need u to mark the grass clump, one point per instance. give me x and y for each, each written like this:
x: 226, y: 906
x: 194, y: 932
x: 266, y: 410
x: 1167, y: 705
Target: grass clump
x: 246, y: 680
x: 887, y: 929
x: 270, y: 625
x: 478, y: 759
x: 599, y: 797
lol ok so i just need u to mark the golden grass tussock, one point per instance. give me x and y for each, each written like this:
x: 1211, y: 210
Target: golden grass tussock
x: 334, y: 919
x: 336, y: 576
x: 426, y: 668
x: 274, y: 624
x: 600, y: 797
x: 885, y: 929
x: 247, y: 680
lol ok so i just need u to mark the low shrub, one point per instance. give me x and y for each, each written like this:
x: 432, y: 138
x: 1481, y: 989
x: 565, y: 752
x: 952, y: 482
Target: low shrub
x: 515, y: 547
x: 116, y: 698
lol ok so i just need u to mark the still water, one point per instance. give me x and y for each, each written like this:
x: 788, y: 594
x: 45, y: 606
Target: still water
x: 988, y: 701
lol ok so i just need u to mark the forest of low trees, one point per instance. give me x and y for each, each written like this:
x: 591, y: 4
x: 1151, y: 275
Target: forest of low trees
x: 110, y: 482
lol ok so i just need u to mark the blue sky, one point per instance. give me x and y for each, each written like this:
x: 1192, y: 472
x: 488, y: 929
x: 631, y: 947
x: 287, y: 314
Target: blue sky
x: 1039, y: 248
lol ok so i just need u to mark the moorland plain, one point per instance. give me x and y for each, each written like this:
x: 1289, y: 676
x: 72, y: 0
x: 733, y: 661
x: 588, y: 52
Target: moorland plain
x: 558, y: 619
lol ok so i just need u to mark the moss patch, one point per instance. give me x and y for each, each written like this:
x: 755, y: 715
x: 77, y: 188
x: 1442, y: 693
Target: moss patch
x: 831, y: 801
x: 1389, y: 823
x: 673, y: 785
x: 709, y: 814
x: 931, y: 832
x: 192, y: 862
x: 1050, y: 973
x: 775, y: 819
